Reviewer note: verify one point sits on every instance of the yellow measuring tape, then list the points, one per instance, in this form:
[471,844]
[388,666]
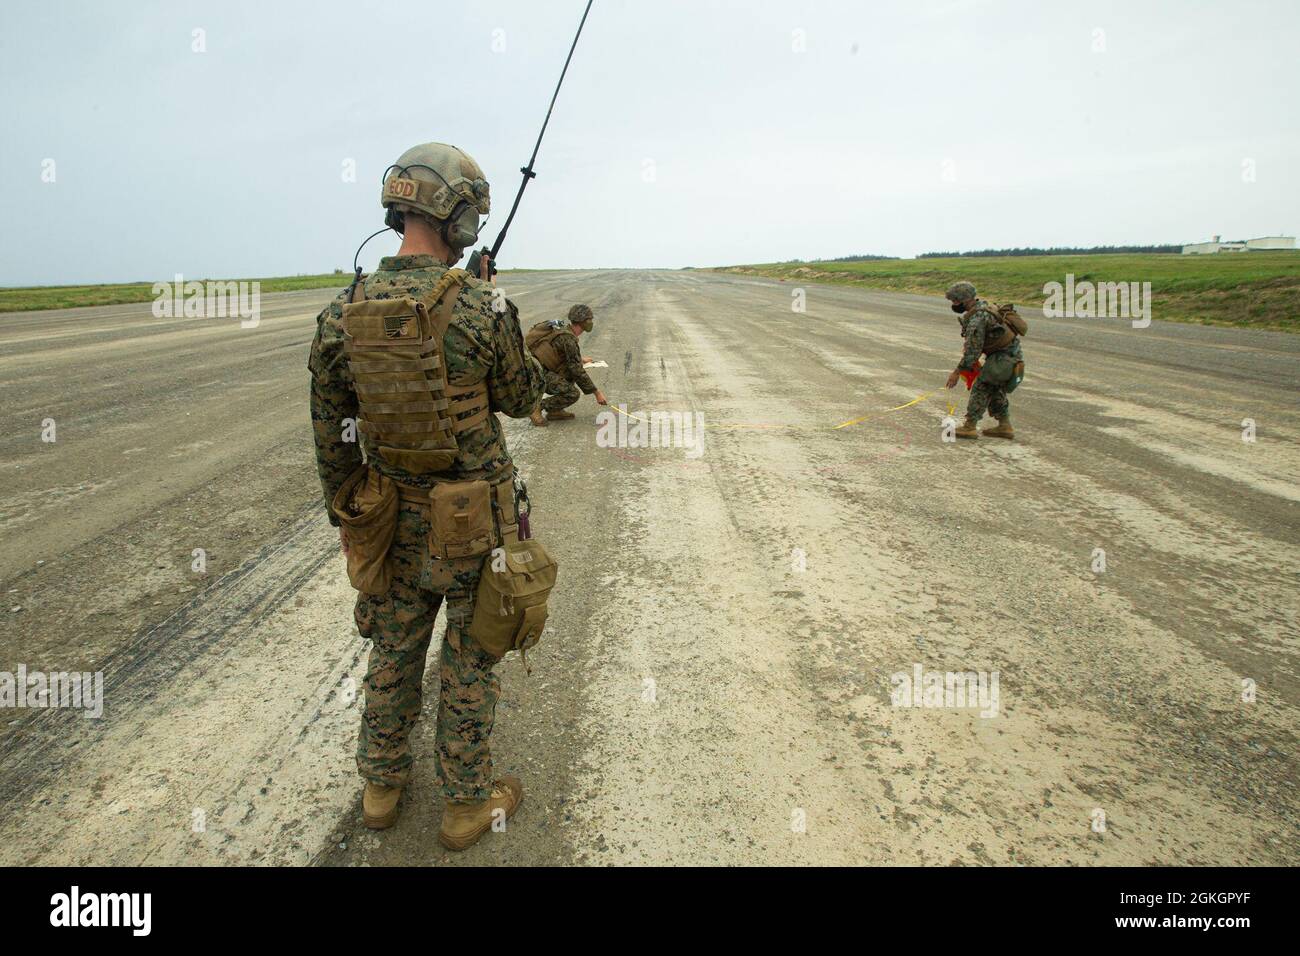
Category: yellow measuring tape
[854,421]
[847,424]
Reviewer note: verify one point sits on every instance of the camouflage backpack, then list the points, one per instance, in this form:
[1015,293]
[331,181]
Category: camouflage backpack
[1012,319]
[541,342]
[1010,324]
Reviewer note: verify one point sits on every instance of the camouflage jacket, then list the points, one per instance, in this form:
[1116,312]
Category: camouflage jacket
[566,344]
[481,344]
[975,325]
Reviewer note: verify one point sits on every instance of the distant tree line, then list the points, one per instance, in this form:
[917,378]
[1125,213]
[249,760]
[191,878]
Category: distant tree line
[864,258]
[1053,251]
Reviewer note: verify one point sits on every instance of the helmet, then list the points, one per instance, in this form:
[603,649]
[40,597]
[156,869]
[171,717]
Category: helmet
[581,315]
[960,292]
[441,183]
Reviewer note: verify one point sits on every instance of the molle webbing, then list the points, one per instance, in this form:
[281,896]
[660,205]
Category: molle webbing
[394,351]
[471,399]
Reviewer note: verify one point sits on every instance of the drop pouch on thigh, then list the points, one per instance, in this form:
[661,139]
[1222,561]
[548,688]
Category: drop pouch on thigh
[366,507]
[510,603]
[460,519]
[999,370]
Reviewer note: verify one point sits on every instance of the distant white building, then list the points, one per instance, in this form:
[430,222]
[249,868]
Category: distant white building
[1271,242]
[1217,245]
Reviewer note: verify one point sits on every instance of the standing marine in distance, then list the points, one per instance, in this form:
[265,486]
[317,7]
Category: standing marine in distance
[415,360]
[555,345]
[988,332]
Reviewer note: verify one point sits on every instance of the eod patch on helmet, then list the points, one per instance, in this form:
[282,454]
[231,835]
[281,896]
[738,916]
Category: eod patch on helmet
[441,183]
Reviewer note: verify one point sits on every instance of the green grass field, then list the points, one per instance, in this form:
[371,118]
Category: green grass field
[1258,290]
[32,298]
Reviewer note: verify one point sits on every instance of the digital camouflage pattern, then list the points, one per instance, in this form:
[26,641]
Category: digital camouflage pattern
[560,392]
[481,344]
[989,392]
[400,625]
[975,324]
[566,344]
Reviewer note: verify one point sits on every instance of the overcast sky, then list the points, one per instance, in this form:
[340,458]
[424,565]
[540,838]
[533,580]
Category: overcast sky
[687,133]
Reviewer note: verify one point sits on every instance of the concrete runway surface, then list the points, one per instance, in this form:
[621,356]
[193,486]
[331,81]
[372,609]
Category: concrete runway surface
[715,685]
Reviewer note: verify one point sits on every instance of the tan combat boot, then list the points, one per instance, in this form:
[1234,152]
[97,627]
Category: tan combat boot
[560,416]
[536,418]
[967,429]
[379,805]
[463,824]
[1003,430]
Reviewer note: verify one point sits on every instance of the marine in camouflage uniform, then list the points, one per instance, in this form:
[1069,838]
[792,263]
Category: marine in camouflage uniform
[979,325]
[481,344]
[565,385]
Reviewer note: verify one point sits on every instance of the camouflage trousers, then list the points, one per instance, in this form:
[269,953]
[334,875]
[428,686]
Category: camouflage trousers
[400,624]
[986,397]
[990,390]
[560,392]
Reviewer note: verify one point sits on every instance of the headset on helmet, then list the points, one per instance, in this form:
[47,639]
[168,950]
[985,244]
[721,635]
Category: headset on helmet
[453,200]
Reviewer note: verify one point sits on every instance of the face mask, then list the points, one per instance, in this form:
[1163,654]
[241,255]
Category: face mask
[958,308]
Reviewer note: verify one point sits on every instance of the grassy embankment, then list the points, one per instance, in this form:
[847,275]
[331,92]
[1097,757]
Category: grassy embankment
[1258,290]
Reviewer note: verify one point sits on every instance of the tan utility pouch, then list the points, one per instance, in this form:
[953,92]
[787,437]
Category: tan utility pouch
[510,604]
[366,506]
[460,519]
